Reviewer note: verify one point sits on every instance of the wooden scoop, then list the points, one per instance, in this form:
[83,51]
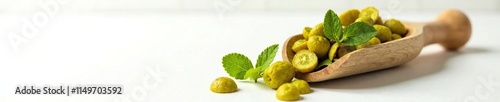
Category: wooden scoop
[451,30]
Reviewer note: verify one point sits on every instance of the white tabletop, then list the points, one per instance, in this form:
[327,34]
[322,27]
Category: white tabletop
[174,56]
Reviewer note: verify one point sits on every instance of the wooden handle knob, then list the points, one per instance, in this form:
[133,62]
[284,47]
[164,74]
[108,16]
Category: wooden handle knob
[452,30]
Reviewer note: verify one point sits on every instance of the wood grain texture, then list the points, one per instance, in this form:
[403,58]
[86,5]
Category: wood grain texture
[392,53]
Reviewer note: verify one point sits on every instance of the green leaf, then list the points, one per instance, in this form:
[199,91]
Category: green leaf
[324,63]
[253,74]
[266,57]
[236,65]
[261,70]
[332,26]
[357,33]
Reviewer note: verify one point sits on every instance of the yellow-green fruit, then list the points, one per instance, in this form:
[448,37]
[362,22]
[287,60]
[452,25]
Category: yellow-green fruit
[288,92]
[344,50]
[370,11]
[383,33]
[333,50]
[278,73]
[302,85]
[349,16]
[396,26]
[305,61]
[317,30]
[299,45]
[373,41]
[305,32]
[395,36]
[365,19]
[379,21]
[319,45]
[223,85]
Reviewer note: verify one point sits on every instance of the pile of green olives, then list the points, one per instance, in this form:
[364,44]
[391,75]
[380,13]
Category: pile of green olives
[315,47]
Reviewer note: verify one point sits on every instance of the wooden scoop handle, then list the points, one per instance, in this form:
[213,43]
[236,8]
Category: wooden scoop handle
[452,30]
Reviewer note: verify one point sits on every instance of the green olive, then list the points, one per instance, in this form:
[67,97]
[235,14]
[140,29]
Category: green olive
[369,11]
[305,32]
[288,92]
[278,73]
[299,45]
[373,41]
[305,61]
[319,45]
[365,19]
[302,85]
[333,51]
[317,30]
[396,26]
[223,85]
[379,21]
[395,36]
[349,16]
[383,33]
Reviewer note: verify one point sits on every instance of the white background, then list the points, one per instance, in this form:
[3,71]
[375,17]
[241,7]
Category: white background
[171,50]
[208,5]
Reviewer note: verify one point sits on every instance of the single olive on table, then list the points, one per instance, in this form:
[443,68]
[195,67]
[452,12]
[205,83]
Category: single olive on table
[223,85]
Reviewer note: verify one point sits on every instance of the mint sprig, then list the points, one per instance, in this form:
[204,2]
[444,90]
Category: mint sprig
[332,26]
[267,56]
[241,68]
[358,33]
[236,65]
[354,34]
